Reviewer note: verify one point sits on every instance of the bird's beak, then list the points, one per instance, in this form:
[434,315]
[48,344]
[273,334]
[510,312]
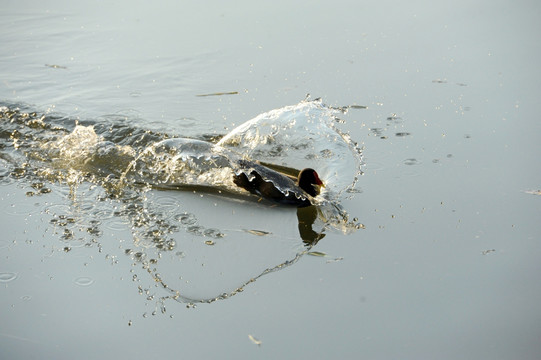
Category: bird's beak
[319,182]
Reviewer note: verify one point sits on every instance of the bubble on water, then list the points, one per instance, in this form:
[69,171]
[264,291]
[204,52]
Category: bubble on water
[67,235]
[166,245]
[7,276]
[186,218]
[214,233]
[84,281]
[195,229]
[94,230]
[139,256]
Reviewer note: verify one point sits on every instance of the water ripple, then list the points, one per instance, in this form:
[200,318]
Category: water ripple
[6,277]
[21,208]
[84,281]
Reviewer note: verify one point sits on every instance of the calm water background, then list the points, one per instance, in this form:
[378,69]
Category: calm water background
[448,264]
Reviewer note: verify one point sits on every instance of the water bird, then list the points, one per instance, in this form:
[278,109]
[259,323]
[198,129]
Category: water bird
[276,186]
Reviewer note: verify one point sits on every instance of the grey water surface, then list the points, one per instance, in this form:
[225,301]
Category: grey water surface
[437,255]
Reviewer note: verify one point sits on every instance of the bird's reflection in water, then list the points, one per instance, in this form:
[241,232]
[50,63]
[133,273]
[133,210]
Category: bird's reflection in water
[307,216]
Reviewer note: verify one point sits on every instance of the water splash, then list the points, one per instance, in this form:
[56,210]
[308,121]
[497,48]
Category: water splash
[290,139]
[301,136]
[180,162]
[113,169]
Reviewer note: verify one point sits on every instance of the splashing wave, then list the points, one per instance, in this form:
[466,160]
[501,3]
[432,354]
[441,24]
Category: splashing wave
[127,163]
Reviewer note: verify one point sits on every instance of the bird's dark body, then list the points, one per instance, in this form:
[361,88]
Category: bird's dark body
[272,185]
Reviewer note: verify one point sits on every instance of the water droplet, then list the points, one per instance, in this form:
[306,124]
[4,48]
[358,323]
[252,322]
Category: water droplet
[67,235]
[316,253]
[139,256]
[7,277]
[18,173]
[84,281]
[93,230]
[255,340]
